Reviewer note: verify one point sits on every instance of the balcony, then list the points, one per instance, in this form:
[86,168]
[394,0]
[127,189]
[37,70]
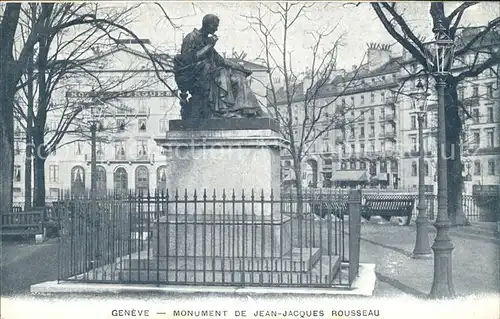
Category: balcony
[471,101]
[121,158]
[390,135]
[391,100]
[390,117]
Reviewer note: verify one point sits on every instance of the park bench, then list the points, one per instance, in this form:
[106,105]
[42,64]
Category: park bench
[23,223]
[387,206]
[335,205]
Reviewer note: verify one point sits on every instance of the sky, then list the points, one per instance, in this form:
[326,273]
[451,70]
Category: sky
[357,26]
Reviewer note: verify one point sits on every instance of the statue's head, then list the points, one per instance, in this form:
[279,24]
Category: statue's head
[210,23]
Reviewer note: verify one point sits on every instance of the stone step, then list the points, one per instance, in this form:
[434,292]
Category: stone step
[299,259]
[322,274]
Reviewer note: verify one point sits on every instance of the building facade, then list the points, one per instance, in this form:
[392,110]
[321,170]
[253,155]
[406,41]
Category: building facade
[378,147]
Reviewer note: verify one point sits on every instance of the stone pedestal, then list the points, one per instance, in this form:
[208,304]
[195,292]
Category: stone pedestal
[230,160]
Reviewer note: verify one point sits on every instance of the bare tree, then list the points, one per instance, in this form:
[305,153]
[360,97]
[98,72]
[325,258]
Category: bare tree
[304,105]
[49,23]
[485,55]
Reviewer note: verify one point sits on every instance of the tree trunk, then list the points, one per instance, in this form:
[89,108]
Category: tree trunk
[29,138]
[40,156]
[39,126]
[7,147]
[453,150]
[8,81]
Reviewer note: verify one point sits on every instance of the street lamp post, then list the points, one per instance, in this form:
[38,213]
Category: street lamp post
[440,53]
[422,248]
[94,121]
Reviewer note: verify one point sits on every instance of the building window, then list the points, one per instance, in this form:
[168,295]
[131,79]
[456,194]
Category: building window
[142,125]
[373,168]
[99,151]
[352,165]
[53,173]
[426,168]
[382,95]
[362,148]
[101,181]
[343,165]
[475,139]
[120,179]
[143,108]
[490,115]
[353,132]
[413,143]
[475,116]
[413,122]
[362,99]
[78,148]
[77,181]
[120,150]
[491,167]
[461,93]
[352,100]
[161,178]
[120,124]
[163,125]
[477,167]
[142,178]
[491,138]
[362,165]
[490,90]
[414,168]
[142,149]
[383,167]
[475,91]
[394,166]
[17,173]
[362,131]
[372,96]
[372,114]
[18,148]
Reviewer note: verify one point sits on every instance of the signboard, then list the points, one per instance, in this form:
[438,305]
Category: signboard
[119,94]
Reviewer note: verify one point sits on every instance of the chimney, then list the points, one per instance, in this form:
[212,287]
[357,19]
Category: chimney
[378,55]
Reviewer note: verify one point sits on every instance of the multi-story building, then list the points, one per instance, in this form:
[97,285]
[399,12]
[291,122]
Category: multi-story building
[479,103]
[379,144]
[138,111]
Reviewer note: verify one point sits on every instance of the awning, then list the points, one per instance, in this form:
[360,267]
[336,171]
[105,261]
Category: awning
[381,177]
[349,176]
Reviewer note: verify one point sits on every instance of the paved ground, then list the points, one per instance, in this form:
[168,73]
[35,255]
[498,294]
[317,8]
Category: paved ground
[475,261]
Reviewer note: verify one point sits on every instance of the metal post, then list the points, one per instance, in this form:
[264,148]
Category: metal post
[93,161]
[422,247]
[93,190]
[442,285]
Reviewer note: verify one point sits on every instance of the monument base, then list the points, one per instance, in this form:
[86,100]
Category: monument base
[217,235]
[223,156]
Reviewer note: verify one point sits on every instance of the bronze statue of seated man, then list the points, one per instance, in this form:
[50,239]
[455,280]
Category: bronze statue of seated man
[216,87]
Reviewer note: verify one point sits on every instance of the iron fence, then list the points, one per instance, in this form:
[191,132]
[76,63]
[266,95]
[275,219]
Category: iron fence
[226,239]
